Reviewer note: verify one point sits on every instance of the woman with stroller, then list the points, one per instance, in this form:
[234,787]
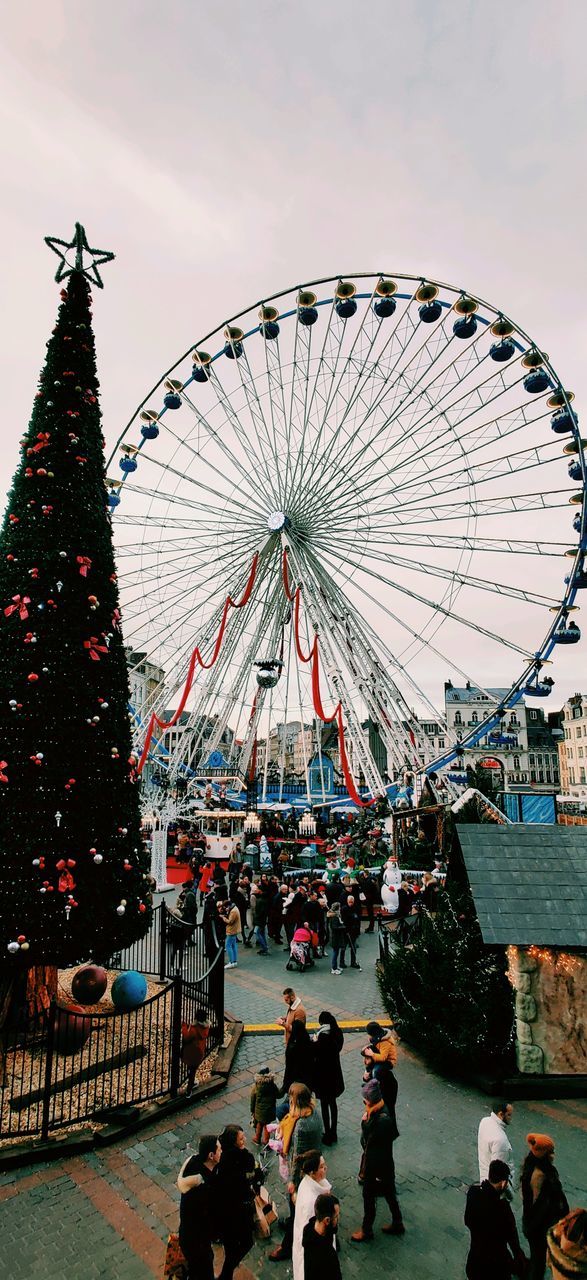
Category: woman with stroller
[301,948]
[328,1077]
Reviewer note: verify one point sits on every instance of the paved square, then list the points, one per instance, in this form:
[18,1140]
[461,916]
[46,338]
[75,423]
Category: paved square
[108,1214]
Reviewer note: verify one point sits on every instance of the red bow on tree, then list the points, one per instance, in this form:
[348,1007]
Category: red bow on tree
[3,766]
[43,438]
[20,604]
[66,882]
[116,618]
[94,648]
[84,564]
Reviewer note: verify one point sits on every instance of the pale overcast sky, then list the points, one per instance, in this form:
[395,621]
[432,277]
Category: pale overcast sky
[225,152]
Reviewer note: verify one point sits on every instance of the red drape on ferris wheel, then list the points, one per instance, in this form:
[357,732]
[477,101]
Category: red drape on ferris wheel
[313,657]
[197,659]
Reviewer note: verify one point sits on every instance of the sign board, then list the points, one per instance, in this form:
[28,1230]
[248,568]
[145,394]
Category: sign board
[490,764]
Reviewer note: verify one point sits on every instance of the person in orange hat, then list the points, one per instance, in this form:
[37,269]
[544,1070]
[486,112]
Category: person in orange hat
[543,1199]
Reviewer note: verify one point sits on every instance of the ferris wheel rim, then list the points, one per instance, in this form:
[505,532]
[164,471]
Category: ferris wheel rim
[542,654]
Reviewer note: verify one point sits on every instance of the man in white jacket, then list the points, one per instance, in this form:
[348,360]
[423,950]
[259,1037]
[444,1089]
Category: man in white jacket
[493,1142]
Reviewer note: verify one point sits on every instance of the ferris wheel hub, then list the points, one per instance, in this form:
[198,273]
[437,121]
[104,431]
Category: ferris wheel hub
[277,521]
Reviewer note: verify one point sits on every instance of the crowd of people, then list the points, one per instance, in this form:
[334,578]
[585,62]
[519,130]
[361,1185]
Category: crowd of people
[554,1235]
[296,1119]
[313,916]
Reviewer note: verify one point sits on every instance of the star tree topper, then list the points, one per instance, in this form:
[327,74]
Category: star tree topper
[79,245]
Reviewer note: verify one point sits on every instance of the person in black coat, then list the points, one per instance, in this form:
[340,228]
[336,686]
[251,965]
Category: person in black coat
[328,1077]
[238,1181]
[197,1207]
[352,924]
[319,1240]
[378,1133]
[299,1059]
[369,887]
[495,1252]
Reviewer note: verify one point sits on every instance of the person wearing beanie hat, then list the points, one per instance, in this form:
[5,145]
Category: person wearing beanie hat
[566,1247]
[543,1199]
[495,1252]
[372,1092]
[540,1145]
[378,1134]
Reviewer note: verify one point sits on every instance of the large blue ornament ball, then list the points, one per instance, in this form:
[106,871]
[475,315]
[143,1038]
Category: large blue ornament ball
[129,990]
[89,984]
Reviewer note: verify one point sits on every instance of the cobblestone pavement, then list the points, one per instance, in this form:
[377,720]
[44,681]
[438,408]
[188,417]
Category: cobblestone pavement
[108,1214]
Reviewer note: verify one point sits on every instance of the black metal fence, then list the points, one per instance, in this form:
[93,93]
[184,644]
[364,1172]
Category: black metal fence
[59,1068]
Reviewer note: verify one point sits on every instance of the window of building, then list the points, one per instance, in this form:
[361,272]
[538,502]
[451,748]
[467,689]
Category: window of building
[516,762]
[582,779]
[541,775]
[514,718]
[532,775]
[440,743]
[533,715]
[581,753]
[577,713]
[474,718]
[458,717]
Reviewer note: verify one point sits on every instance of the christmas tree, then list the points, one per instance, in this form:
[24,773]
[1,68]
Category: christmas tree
[73,871]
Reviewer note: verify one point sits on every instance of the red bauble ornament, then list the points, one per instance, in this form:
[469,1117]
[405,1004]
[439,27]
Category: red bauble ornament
[71,1031]
[32,677]
[89,984]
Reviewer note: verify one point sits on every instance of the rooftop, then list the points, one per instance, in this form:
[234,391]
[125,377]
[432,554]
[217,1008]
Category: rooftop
[529,883]
[475,695]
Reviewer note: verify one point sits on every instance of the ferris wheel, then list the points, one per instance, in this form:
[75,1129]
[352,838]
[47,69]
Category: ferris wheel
[331,504]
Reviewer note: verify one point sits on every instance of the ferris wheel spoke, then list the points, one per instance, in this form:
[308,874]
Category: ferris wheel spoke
[464,579]
[208,625]
[246,441]
[398,338]
[378,642]
[488,434]
[302,386]
[219,513]
[513,464]
[469,542]
[265,432]
[493,387]
[396,386]
[326,382]
[205,459]
[219,568]
[504,504]
[435,606]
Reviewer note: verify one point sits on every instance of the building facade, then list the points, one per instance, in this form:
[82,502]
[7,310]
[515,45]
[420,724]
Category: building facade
[521,751]
[573,747]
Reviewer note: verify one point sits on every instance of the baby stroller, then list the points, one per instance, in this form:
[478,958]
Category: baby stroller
[300,951]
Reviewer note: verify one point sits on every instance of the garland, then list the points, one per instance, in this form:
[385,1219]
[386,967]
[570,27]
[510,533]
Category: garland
[313,658]
[196,657]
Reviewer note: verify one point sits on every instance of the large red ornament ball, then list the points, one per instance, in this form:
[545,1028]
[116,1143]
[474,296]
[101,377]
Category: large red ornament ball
[70,1030]
[89,984]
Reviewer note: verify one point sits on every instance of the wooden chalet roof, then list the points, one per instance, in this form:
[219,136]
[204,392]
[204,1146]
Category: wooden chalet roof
[529,882]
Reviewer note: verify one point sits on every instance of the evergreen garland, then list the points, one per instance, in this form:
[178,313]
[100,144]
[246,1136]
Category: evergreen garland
[73,870]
